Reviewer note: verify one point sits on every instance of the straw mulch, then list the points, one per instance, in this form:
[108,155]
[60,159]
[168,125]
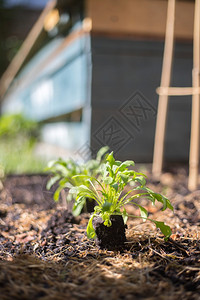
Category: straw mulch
[45,254]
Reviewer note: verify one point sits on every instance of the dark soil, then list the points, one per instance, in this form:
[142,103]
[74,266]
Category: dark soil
[89,206]
[45,253]
[112,237]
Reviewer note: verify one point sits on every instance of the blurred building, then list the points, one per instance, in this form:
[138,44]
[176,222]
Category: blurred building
[93,81]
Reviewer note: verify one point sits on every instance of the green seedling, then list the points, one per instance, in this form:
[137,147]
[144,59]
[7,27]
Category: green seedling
[108,192]
[64,173]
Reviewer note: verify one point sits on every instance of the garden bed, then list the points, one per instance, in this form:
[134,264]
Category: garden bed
[45,253]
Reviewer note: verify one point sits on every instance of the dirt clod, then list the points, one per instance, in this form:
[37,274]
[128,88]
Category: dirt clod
[112,237]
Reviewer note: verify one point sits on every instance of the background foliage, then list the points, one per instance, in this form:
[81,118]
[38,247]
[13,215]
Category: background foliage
[18,137]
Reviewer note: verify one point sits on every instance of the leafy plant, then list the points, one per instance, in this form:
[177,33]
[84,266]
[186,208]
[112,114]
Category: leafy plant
[108,192]
[64,173]
[18,137]
[16,125]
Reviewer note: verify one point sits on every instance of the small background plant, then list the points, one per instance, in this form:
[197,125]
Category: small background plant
[64,174]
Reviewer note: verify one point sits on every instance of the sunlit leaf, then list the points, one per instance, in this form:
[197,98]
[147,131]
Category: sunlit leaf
[143,212]
[106,218]
[165,229]
[78,206]
[125,164]
[91,234]
[51,181]
[141,180]
[57,193]
[108,180]
[111,159]
[102,152]
[125,215]
[91,165]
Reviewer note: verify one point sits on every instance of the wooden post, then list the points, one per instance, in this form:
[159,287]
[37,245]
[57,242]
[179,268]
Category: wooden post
[195,123]
[163,99]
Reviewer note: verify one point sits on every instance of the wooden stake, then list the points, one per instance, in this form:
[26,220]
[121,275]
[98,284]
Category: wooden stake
[194,140]
[163,99]
[178,91]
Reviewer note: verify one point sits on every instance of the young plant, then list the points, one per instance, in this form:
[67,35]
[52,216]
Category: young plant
[64,173]
[108,191]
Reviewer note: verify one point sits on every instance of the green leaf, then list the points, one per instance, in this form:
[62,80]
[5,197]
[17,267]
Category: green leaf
[125,164]
[143,212]
[59,167]
[106,206]
[124,178]
[165,229]
[51,164]
[107,222]
[106,218]
[81,177]
[91,165]
[114,168]
[141,180]
[108,180]
[169,205]
[166,203]
[66,183]
[83,189]
[160,198]
[125,215]
[63,182]
[78,205]
[57,193]
[111,159]
[51,181]
[115,186]
[91,234]
[73,190]
[101,153]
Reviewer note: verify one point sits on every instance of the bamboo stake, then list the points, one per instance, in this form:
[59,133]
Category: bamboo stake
[178,91]
[194,140]
[23,52]
[163,99]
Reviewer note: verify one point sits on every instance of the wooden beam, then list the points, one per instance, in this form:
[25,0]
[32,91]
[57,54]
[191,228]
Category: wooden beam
[73,36]
[163,100]
[194,140]
[139,18]
[25,49]
[178,91]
